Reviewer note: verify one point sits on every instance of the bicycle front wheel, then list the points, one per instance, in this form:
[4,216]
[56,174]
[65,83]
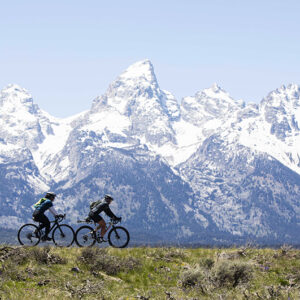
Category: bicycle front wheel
[84,236]
[63,235]
[29,235]
[118,237]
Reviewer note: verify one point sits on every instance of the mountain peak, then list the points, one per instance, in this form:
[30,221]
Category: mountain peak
[215,88]
[14,89]
[15,98]
[141,70]
[284,94]
[292,87]
[16,94]
[216,92]
[138,81]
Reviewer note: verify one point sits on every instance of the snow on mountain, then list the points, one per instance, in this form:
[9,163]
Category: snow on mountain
[25,126]
[19,123]
[211,104]
[134,112]
[200,116]
[22,127]
[48,151]
[137,101]
[273,126]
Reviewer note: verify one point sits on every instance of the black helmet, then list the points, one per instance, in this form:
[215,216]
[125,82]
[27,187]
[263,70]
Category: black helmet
[108,198]
[50,195]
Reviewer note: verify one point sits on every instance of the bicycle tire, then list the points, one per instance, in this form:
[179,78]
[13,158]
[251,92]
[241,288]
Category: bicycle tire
[27,235]
[62,239]
[118,237]
[83,236]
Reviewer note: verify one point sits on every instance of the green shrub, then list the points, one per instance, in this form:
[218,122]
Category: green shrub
[191,278]
[167,254]
[232,273]
[44,256]
[19,255]
[98,259]
[89,255]
[207,263]
[172,253]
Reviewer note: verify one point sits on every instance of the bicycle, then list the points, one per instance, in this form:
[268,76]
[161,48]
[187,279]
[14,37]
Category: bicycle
[62,235]
[118,236]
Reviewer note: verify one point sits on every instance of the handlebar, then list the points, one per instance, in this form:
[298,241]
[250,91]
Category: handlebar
[59,218]
[115,221]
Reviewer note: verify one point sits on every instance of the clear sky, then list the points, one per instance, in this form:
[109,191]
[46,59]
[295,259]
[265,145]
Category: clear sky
[67,52]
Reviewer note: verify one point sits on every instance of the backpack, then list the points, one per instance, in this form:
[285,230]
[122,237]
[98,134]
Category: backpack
[39,203]
[94,204]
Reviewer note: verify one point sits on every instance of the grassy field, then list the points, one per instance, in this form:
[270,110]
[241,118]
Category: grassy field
[149,273]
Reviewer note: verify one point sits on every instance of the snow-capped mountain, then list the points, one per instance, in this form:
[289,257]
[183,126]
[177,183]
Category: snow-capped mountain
[275,129]
[210,169]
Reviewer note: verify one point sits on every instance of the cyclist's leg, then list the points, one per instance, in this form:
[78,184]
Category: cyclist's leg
[36,217]
[47,225]
[44,222]
[102,226]
[101,223]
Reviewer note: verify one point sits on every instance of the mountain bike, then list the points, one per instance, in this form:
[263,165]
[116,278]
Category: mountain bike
[62,234]
[118,236]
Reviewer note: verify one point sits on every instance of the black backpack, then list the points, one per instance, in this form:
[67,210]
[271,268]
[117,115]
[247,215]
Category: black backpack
[94,204]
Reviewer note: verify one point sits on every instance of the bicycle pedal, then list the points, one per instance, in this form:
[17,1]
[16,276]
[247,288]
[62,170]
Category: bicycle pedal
[101,240]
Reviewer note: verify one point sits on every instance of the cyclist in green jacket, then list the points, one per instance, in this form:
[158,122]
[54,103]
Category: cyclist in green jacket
[38,215]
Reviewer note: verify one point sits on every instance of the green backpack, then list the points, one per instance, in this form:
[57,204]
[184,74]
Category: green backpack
[39,203]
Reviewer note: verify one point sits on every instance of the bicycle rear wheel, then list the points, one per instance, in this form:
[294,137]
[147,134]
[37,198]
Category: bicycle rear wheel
[118,237]
[29,235]
[63,235]
[84,236]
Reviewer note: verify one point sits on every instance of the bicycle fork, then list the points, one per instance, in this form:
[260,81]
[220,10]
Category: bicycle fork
[61,232]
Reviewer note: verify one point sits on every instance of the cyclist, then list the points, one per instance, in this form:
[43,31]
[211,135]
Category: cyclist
[94,214]
[38,215]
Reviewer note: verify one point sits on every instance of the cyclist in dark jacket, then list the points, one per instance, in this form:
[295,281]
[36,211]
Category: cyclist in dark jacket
[94,214]
[38,215]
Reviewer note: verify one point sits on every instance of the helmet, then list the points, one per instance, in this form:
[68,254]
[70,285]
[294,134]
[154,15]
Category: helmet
[50,195]
[108,198]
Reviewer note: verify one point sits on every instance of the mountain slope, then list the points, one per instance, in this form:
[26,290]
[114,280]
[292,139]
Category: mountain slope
[246,193]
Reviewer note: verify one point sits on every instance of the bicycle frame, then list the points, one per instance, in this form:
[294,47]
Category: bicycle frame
[111,226]
[55,223]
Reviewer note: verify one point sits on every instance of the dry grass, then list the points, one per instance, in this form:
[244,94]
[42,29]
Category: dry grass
[149,273]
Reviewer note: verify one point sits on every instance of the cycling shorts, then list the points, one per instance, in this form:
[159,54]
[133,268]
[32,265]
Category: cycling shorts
[96,218]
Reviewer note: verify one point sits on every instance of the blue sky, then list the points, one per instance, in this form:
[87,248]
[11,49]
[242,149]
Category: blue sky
[67,52]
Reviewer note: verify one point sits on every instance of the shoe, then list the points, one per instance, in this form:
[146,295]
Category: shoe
[101,240]
[46,238]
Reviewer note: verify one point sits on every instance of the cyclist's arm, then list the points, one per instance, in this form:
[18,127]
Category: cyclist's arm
[53,211]
[108,211]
